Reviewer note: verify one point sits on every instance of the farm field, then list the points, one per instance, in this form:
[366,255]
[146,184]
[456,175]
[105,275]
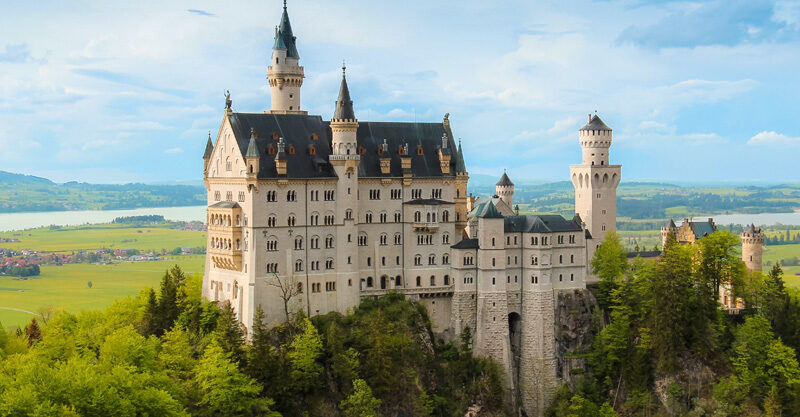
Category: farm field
[112,236]
[774,253]
[66,287]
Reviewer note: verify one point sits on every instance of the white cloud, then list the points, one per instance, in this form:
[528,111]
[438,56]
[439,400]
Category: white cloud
[773,138]
[173,150]
[100,144]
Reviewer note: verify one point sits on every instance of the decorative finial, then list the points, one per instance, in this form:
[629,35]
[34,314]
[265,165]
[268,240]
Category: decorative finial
[284,4]
[344,68]
[209,135]
[590,118]
[444,140]
[252,132]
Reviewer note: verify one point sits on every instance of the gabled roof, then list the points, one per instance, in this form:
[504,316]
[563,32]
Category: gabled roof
[344,106]
[702,229]
[547,223]
[595,123]
[671,224]
[225,204]
[489,211]
[284,39]
[300,131]
[505,181]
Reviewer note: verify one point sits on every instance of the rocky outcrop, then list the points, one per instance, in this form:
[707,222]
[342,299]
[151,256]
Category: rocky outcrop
[574,331]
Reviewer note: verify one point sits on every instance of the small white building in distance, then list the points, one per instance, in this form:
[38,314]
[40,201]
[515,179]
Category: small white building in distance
[315,214]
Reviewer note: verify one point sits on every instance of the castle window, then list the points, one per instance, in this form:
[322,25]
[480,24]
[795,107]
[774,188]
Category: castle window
[508,240]
[572,259]
[433,280]
[272,268]
[383,239]
[445,238]
[361,150]
[493,242]
[560,277]
[329,195]
[416,194]
[314,242]
[312,150]
[217,196]
[314,136]
[291,147]
[348,214]
[417,260]
[383,217]
[493,262]
[383,261]
[291,220]
[417,217]
[228,165]
[419,150]
[604,228]
[445,259]
[397,260]
[291,195]
[330,286]
[369,261]
[445,216]
[534,260]
[272,220]
[362,239]
[534,279]
[368,217]
[431,259]
[329,242]
[369,282]
[275,136]
[397,217]
[229,196]
[572,277]
[561,259]
[272,244]
[329,264]
[272,196]
[572,237]
[271,150]
[493,280]
[419,281]
[298,266]
[398,239]
[298,243]
[241,196]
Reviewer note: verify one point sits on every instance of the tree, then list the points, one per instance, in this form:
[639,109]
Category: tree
[306,348]
[361,402]
[288,288]
[229,334]
[33,334]
[263,363]
[224,390]
[609,263]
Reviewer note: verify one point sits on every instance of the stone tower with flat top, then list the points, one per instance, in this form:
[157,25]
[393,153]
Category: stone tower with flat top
[752,240]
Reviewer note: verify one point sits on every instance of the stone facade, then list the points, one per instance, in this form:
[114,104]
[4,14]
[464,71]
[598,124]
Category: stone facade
[334,211]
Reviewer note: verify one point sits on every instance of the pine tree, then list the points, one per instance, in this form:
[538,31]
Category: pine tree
[361,402]
[33,334]
[229,334]
[149,323]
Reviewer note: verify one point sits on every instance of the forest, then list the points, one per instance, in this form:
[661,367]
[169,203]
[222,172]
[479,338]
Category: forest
[167,352]
[665,347]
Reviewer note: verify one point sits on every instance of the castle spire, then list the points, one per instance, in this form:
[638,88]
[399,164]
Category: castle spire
[344,106]
[209,147]
[284,38]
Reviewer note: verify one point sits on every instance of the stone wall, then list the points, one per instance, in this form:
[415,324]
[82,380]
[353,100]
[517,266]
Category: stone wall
[537,365]
[574,332]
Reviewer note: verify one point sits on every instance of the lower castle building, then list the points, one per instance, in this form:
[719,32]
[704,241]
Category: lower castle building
[313,215]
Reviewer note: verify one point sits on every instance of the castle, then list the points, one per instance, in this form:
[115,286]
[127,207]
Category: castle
[313,215]
[752,241]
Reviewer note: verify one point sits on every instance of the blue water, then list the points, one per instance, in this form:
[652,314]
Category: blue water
[19,221]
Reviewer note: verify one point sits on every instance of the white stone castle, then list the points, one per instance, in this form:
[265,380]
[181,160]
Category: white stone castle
[313,215]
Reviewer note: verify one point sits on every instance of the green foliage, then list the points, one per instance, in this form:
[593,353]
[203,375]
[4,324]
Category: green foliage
[609,264]
[229,334]
[306,349]
[361,402]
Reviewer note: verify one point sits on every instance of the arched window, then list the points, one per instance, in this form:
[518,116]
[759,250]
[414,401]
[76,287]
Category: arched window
[298,242]
[417,260]
[446,216]
[369,282]
[417,217]
[433,280]
[419,281]
[272,220]
[298,265]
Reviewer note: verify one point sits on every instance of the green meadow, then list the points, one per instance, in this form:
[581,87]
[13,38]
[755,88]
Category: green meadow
[113,236]
[66,287]
[774,253]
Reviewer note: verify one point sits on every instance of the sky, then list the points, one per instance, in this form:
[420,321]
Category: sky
[696,91]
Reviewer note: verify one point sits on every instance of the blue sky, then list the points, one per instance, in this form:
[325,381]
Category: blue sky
[699,91]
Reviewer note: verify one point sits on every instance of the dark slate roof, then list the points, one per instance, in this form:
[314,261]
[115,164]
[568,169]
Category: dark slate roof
[209,147]
[460,164]
[225,204]
[298,130]
[466,244]
[505,181]
[595,124]
[284,39]
[344,106]
[671,224]
[427,202]
[548,223]
[489,211]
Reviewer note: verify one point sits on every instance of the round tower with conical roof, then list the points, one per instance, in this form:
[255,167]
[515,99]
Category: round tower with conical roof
[505,189]
[285,73]
[752,241]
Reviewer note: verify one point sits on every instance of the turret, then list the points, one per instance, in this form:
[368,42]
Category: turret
[281,158]
[595,138]
[505,189]
[444,155]
[252,158]
[665,231]
[752,240]
[344,124]
[285,73]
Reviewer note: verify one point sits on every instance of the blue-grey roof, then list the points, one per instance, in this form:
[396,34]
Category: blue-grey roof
[209,147]
[548,223]
[252,149]
[427,202]
[284,39]
[466,244]
[489,211]
[225,204]
[461,166]
[702,229]
[595,123]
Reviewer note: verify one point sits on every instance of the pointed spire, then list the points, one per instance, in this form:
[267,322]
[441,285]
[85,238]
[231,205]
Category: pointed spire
[284,38]
[252,148]
[209,147]
[504,181]
[461,167]
[344,106]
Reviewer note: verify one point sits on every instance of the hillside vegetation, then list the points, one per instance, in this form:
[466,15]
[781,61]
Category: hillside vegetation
[169,353]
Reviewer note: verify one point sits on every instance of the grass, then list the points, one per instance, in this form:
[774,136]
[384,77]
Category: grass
[774,253]
[114,236]
[66,287]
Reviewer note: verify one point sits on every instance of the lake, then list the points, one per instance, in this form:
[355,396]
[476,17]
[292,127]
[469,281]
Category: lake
[19,221]
[760,219]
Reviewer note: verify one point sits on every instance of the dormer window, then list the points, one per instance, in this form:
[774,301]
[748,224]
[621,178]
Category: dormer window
[361,150]
[291,150]
[380,150]
[271,150]
[275,136]
[314,137]
[419,150]
[312,150]
[401,150]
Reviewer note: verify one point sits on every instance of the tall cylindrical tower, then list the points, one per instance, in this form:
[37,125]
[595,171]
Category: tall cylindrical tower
[752,240]
[285,73]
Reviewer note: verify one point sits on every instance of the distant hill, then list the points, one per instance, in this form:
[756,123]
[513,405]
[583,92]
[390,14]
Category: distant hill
[12,178]
[24,193]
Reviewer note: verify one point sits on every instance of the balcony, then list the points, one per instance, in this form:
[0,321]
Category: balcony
[425,226]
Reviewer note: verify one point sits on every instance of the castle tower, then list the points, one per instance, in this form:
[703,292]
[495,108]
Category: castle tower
[505,189]
[595,182]
[665,230]
[345,160]
[285,73]
[752,239]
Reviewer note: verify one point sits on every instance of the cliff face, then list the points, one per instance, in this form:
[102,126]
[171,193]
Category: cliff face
[574,331]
